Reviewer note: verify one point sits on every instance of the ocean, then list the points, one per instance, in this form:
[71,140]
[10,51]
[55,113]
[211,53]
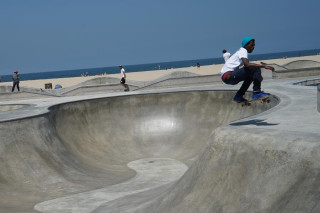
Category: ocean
[151,66]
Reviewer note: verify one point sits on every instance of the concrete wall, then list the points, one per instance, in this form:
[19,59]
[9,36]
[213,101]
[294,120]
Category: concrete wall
[318,98]
[301,64]
[295,73]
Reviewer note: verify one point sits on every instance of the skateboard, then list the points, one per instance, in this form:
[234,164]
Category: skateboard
[263,100]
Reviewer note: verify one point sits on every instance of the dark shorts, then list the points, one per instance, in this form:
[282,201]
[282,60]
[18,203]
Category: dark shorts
[123,80]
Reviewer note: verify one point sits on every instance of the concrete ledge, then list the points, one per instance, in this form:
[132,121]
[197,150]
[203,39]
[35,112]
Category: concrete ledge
[302,64]
[83,90]
[309,82]
[295,73]
[185,81]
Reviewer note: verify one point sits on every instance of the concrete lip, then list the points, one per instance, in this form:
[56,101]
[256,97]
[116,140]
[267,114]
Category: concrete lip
[171,150]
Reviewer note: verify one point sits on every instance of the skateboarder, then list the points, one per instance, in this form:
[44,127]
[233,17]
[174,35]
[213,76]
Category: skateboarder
[233,72]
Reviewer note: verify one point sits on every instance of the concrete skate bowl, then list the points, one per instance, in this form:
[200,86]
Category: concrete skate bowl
[117,154]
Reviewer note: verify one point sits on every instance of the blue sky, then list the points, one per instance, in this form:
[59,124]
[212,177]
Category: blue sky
[49,35]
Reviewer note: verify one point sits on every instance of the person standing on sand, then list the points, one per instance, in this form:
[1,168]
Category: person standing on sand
[16,80]
[231,73]
[123,79]
[226,55]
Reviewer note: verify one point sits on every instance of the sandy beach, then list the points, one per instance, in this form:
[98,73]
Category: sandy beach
[150,75]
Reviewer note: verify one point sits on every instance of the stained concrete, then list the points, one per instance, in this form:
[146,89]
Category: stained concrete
[172,150]
[9,107]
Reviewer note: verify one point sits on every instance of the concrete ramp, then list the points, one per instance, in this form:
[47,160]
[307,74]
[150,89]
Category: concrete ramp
[139,153]
[248,171]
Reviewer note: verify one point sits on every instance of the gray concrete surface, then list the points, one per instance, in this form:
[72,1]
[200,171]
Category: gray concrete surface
[187,150]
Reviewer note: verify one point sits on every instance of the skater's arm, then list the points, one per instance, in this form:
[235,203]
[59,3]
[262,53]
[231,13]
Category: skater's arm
[246,63]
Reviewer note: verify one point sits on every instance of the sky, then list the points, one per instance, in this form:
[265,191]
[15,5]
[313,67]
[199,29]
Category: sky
[53,35]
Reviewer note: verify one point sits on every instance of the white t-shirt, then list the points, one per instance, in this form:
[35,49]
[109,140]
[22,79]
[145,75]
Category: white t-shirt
[234,61]
[122,72]
[226,56]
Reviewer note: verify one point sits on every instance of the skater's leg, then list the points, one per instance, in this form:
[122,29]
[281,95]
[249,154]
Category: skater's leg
[257,79]
[14,85]
[252,75]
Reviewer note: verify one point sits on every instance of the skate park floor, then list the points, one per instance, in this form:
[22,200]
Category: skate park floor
[187,149]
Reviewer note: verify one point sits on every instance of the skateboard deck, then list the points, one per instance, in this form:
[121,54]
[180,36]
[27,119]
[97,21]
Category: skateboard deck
[263,100]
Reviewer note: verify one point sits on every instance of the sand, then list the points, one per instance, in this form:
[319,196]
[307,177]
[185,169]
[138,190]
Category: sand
[149,75]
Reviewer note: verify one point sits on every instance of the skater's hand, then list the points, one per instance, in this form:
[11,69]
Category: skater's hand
[269,68]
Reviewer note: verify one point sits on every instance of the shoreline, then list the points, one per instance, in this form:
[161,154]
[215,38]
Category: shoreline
[150,75]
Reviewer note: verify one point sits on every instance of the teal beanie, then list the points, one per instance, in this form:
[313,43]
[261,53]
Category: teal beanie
[246,40]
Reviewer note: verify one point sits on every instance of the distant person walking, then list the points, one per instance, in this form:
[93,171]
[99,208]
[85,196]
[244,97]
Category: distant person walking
[16,80]
[123,79]
[226,55]
[233,72]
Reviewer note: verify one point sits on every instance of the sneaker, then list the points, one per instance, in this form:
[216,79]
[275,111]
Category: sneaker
[260,95]
[239,99]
